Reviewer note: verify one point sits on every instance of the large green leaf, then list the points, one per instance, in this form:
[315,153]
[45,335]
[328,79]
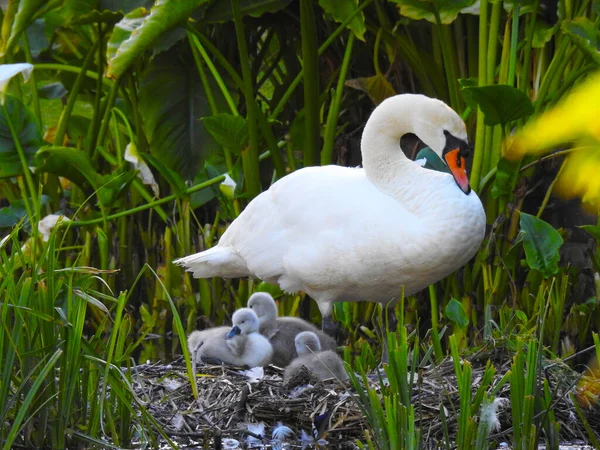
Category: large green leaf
[341,10]
[456,313]
[541,243]
[231,132]
[123,30]
[70,163]
[500,103]
[585,34]
[106,11]
[542,33]
[11,215]
[425,9]
[594,230]
[73,10]
[19,15]
[76,166]
[29,132]
[221,11]
[123,6]
[164,16]
[171,103]
[377,87]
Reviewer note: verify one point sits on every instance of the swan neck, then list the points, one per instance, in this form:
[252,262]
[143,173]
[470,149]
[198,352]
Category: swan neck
[383,159]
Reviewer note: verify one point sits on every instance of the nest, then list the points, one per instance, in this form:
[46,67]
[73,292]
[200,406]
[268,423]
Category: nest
[230,399]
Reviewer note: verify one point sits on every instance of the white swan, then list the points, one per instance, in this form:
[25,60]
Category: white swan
[281,331]
[352,234]
[324,364]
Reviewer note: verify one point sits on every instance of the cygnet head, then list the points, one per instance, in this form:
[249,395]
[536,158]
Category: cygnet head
[244,321]
[307,343]
[263,305]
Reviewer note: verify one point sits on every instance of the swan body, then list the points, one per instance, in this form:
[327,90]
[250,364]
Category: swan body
[281,331]
[353,234]
[324,364]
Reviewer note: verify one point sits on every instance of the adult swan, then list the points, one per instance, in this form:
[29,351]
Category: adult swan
[354,234]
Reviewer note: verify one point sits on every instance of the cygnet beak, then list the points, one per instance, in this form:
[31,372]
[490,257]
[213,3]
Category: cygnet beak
[234,332]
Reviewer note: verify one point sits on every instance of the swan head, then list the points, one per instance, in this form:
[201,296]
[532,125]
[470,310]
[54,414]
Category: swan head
[263,305]
[307,343]
[442,129]
[434,123]
[244,321]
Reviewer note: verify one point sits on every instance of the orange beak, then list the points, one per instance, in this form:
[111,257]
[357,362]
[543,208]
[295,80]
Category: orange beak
[458,167]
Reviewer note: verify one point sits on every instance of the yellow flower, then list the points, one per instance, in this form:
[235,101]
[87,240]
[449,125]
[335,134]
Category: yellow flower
[574,121]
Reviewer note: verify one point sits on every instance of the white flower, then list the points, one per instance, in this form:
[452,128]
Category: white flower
[144,172]
[46,225]
[228,186]
[8,71]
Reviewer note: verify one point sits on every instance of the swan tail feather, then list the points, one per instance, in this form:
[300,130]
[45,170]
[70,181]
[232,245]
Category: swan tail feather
[215,262]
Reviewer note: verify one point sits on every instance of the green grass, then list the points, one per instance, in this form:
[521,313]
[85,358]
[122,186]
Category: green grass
[69,322]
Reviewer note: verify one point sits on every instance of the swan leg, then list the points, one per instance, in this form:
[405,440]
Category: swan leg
[328,325]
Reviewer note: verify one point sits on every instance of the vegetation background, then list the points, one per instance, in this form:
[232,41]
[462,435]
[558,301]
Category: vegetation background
[150,125]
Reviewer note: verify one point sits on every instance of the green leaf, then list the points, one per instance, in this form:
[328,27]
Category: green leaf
[504,175]
[11,215]
[594,230]
[27,129]
[73,10]
[585,35]
[500,104]
[221,11]
[70,163]
[75,165]
[175,181]
[164,16]
[123,30]
[123,6]
[542,33]
[18,16]
[378,88]
[52,91]
[231,132]
[455,312]
[96,16]
[341,10]
[424,9]
[171,102]
[541,243]
[467,82]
